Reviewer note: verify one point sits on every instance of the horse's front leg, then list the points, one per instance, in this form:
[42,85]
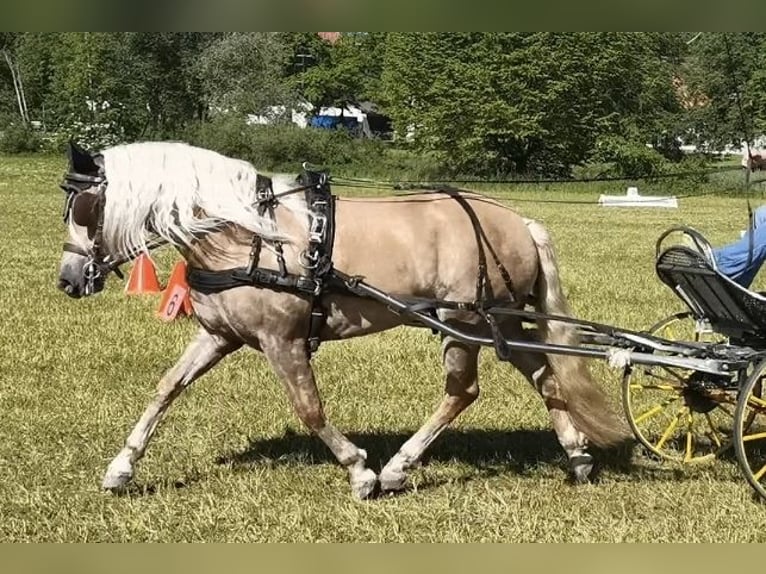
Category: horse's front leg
[201,354]
[290,361]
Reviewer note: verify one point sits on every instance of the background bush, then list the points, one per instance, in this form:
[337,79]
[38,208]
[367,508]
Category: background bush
[18,138]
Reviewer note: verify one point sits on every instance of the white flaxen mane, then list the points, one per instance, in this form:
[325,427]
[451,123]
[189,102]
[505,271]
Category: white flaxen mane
[166,184]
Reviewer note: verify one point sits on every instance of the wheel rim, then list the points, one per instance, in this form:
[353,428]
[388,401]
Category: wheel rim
[678,414]
[750,431]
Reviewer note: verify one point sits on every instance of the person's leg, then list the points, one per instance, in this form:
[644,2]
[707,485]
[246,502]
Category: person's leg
[741,260]
[759,216]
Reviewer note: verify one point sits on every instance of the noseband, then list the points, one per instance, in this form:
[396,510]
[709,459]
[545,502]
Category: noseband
[97,266]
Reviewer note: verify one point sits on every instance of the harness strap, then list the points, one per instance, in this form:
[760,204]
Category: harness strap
[72,248]
[484,292]
[207,281]
[321,205]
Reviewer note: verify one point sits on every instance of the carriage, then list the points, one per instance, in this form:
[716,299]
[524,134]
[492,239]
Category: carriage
[694,415]
[691,384]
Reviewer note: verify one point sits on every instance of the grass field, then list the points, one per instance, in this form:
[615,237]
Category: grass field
[232,462]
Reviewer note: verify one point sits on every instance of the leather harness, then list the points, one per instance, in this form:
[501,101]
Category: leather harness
[316,259]
[320,274]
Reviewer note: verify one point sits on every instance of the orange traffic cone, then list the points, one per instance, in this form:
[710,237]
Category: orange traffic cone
[143,277]
[175,298]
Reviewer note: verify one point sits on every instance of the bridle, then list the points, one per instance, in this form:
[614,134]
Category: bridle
[98,264]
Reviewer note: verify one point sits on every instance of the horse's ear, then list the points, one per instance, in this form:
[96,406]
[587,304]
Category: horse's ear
[80,161]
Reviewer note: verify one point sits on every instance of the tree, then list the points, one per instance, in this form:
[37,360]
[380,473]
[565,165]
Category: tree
[347,71]
[521,102]
[166,84]
[727,73]
[244,72]
[8,107]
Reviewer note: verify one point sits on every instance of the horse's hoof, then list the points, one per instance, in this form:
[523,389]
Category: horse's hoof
[582,466]
[392,481]
[114,482]
[117,475]
[363,484]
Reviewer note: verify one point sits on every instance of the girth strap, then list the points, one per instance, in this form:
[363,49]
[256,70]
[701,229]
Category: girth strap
[206,281]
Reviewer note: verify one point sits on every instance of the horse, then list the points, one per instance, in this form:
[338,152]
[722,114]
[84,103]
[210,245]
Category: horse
[211,209]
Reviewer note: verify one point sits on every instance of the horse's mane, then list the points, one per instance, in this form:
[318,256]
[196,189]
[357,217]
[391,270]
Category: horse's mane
[180,191]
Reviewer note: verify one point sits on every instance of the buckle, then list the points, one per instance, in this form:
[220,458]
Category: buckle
[309,260]
[309,285]
[91,272]
[318,226]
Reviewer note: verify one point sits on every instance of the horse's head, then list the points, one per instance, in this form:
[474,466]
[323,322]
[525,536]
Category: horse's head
[83,265]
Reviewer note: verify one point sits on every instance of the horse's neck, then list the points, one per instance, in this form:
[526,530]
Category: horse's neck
[233,245]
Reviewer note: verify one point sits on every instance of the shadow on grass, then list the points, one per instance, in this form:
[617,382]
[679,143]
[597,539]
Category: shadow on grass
[532,453]
[492,452]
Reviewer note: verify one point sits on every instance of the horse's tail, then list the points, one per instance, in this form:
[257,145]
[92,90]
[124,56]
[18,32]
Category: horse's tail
[586,401]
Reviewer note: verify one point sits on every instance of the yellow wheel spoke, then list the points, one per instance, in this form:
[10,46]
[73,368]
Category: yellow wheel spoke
[637,386]
[655,409]
[751,437]
[668,431]
[756,402]
[688,452]
[760,473]
[714,433]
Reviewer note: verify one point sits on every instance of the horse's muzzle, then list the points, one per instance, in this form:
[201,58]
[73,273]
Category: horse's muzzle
[69,288]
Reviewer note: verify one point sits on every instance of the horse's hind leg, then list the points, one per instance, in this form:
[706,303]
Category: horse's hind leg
[462,387]
[201,354]
[291,363]
[535,367]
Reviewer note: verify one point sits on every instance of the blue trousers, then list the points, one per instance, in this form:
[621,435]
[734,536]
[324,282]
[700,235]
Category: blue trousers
[732,259]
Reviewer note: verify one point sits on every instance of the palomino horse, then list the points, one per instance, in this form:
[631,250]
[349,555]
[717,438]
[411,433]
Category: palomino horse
[423,245]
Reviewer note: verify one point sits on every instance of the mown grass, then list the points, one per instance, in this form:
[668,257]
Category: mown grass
[231,462]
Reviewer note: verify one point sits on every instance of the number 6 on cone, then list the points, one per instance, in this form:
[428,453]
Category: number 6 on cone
[175,298]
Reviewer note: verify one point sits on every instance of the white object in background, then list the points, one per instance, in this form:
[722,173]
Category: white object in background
[633,199]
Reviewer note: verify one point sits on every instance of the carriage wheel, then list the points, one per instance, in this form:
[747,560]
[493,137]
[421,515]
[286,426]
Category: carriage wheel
[675,413]
[750,430]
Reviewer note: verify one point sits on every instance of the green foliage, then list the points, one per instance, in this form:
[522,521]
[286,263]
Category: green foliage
[484,104]
[627,158]
[18,138]
[167,88]
[111,87]
[726,75]
[520,102]
[243,72]
[347,71]
[283,147]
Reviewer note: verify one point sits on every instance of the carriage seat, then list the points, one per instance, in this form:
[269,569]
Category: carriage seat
[730,309]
